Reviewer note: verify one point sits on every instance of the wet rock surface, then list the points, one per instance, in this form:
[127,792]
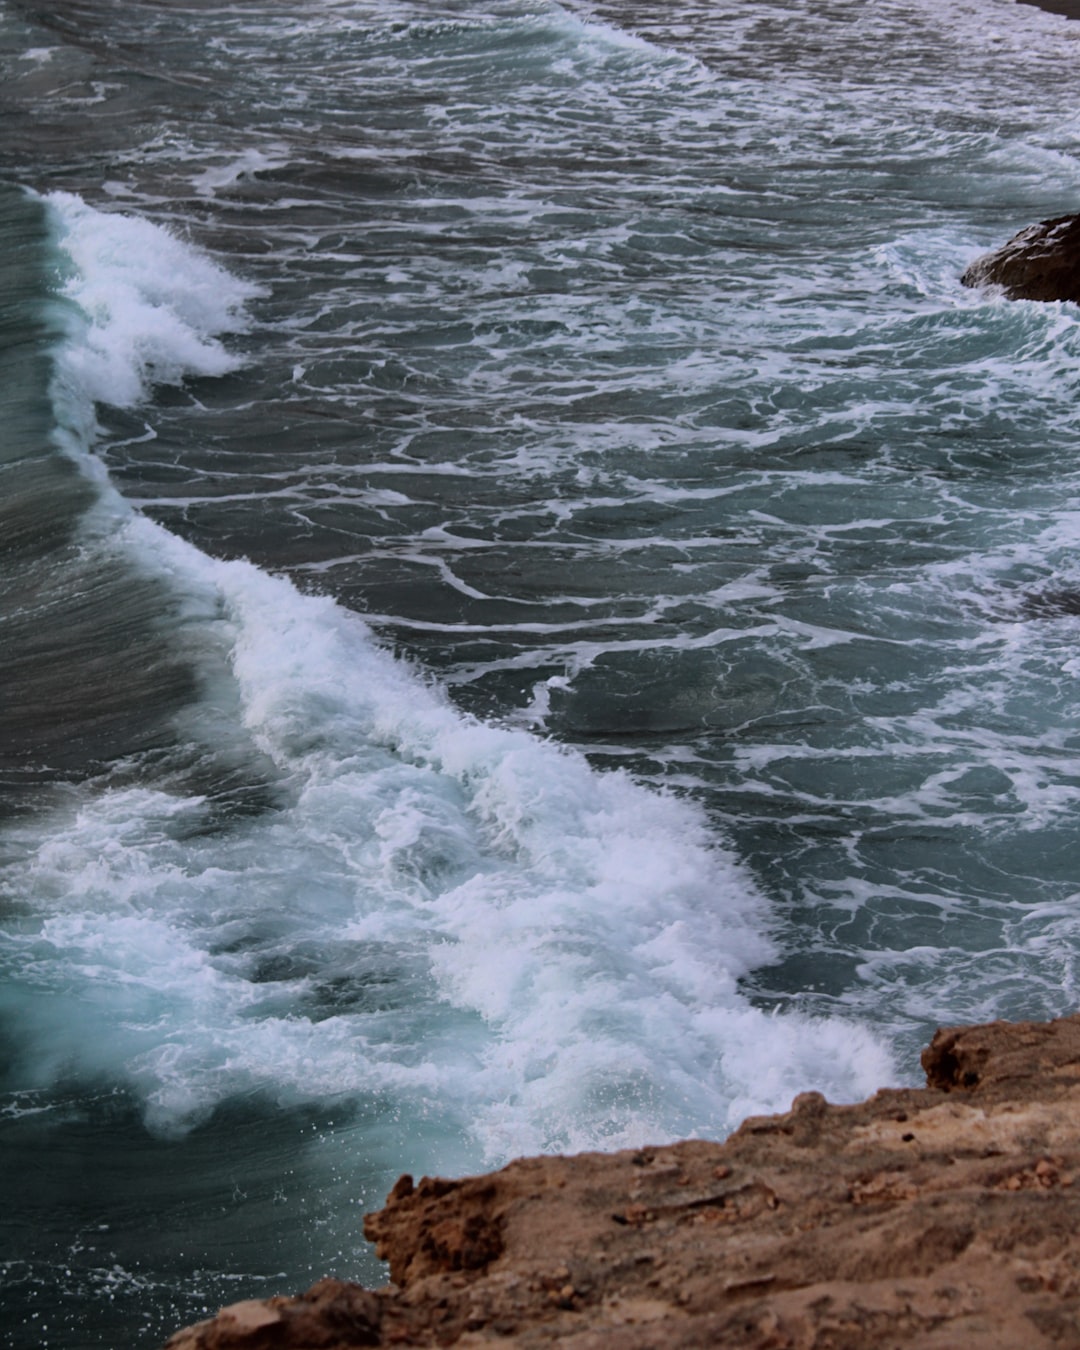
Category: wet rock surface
[940,1217]
[1042,262]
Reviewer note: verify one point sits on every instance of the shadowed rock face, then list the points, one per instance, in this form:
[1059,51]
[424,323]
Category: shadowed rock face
[1040,263]
[933,1218]
[1070,9]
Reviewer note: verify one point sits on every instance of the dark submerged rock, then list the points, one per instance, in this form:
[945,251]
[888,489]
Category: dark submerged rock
[1052,604]
[1042,262]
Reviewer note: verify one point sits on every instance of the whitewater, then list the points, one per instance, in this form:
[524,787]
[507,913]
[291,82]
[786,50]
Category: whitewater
[538,614]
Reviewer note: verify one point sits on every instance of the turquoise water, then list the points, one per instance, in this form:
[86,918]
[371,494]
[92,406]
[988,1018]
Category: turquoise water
[538,614]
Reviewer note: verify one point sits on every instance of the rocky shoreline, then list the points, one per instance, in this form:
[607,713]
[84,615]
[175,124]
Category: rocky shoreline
[944,1216]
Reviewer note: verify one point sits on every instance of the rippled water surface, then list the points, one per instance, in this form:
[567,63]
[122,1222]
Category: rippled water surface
[538,614]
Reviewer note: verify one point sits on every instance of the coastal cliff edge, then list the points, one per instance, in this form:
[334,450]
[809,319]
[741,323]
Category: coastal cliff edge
[944,1216]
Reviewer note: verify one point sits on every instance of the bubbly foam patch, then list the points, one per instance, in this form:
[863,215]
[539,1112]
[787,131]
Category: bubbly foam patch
[460,920]
[148,308]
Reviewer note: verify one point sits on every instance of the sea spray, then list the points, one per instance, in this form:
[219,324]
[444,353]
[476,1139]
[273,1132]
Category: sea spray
[619,379]
[461,918]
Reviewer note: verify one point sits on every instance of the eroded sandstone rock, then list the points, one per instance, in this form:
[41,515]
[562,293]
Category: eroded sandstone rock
[931,1218]
[332,1314]
[1042,262]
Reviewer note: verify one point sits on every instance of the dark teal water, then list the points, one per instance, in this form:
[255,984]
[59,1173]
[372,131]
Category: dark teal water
[537,613]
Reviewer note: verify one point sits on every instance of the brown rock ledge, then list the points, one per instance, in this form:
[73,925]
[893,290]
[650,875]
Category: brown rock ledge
[938,1217]
[1042,262]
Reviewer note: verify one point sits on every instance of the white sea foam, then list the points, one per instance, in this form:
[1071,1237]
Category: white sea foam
[583,936]
[147,307]
[632,379]
[223,176]
[467,922]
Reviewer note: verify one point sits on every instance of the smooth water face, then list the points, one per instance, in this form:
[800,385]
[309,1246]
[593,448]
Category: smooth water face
[612,364]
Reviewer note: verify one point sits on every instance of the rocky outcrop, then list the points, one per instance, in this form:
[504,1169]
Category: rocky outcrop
[1068,9]
[1040,263]
[932,1218]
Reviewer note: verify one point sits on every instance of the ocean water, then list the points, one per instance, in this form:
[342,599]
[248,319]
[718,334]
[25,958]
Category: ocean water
[537,613]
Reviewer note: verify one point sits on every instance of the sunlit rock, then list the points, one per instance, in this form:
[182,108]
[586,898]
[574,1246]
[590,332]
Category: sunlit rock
[944,1216]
